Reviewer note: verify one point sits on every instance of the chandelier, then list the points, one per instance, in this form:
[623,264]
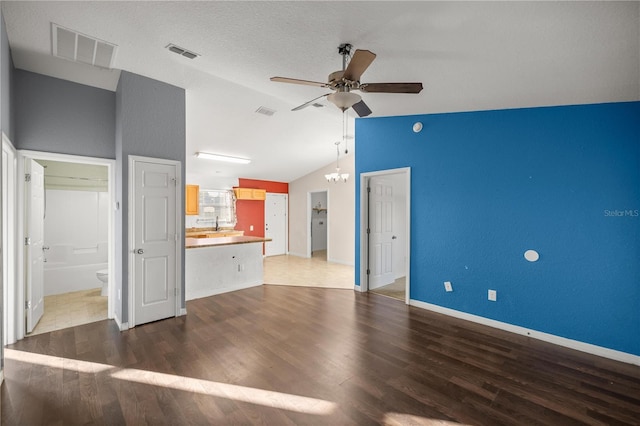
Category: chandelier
[337,176]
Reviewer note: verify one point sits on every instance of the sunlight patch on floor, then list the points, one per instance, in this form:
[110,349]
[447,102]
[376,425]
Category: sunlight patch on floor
[267,398]
[401,419]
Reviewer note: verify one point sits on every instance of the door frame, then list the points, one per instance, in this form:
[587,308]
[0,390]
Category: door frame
[10,267]
[111,173]
[310,219]
[133,159]
[364,215]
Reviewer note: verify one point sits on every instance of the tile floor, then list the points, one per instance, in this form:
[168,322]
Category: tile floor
[69,309]
[307,272]
[396,289]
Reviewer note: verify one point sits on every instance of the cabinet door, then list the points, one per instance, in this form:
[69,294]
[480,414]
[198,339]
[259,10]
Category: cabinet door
[192,203]
[259,194]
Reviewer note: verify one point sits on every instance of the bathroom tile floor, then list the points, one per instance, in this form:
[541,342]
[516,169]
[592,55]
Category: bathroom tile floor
[71,309]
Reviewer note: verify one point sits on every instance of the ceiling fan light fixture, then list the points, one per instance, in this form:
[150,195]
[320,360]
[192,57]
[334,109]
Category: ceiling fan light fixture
[226,158]
[344,100]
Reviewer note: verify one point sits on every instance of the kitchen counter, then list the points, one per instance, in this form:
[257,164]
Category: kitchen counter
[222,241]
[222,264]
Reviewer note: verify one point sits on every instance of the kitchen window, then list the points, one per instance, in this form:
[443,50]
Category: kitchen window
[217,205]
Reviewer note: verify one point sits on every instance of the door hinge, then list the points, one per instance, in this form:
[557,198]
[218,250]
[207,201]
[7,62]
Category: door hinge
[368,271]
[368,231]
[27,177]
[368,189]
[27,304]
[27,241]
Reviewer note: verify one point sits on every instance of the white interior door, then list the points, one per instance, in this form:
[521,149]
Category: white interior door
[381,233]
[34,256]
[275,224]
[154,240]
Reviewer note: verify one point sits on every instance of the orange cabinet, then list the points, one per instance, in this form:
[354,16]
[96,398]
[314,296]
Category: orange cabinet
[192,203]
[250,194]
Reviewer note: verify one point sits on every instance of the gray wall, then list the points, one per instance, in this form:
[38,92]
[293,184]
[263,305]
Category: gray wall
[150,122]
[6,83]
[54,115]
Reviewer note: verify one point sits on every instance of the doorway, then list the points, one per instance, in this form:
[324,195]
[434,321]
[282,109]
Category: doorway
[385,233]
[79,241]
[319,225]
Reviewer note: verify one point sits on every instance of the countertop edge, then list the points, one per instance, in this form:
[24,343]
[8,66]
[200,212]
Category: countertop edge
[191,243]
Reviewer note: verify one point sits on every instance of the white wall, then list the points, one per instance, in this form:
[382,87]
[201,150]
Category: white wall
[340,215]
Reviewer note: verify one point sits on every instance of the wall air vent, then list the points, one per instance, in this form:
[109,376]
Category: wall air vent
[77,47]
[182,51]
[265,111]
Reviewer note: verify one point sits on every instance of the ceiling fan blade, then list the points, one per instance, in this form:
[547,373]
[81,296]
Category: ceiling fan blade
[359,63]
[361,109]
[391,87]
[306,104]
[296,81]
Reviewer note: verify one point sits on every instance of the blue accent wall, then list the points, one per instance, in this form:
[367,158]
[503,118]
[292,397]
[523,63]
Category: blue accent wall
[487,186]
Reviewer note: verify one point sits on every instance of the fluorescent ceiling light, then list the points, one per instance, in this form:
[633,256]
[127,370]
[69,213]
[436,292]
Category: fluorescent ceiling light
[226,158]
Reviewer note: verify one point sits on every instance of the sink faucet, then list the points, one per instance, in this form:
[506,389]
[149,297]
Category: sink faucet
[217,227]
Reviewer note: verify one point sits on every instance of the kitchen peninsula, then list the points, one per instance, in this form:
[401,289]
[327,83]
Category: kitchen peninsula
[222,264]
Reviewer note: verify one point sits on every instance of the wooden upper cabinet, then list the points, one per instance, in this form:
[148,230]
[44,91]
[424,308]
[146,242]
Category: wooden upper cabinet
[192,202]
[250,194]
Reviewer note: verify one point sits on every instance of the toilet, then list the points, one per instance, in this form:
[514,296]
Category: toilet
[103,276]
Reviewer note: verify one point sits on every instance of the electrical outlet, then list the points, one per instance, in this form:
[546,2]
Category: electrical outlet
[250,227]
[447,286]
[493,295]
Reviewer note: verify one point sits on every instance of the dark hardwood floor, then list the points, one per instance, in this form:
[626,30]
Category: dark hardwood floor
[274,355]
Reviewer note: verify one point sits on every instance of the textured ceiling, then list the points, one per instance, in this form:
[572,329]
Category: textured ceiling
[469,56]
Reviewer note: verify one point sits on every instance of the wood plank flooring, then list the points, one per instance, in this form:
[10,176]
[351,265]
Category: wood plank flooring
[279,355]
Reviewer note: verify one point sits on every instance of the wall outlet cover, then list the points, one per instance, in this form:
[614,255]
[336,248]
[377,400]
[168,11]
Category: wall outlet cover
[493,295]
[447,286]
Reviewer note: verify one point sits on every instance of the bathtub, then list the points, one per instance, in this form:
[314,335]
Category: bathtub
[70,268]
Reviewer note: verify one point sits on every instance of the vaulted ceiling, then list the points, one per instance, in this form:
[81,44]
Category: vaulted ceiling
[468,55]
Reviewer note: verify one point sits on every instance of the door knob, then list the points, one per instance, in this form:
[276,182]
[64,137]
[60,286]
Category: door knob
[394,237]
[140,251]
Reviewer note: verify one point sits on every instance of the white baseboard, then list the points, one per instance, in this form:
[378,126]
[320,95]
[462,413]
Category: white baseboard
[340,262]
[557,340]
[122,326]
[1,376]
[183,311]
[303,255]
[213,291]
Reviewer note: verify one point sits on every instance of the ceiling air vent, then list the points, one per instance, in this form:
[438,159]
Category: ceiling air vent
[77,47]
[265,111]
[182,51]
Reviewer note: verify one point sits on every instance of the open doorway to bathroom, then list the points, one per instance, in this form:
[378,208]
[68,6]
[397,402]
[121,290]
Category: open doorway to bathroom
[319,224]
[77,244]
[75,270]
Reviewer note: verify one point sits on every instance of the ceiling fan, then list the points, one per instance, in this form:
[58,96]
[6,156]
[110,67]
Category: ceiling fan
[348,79]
